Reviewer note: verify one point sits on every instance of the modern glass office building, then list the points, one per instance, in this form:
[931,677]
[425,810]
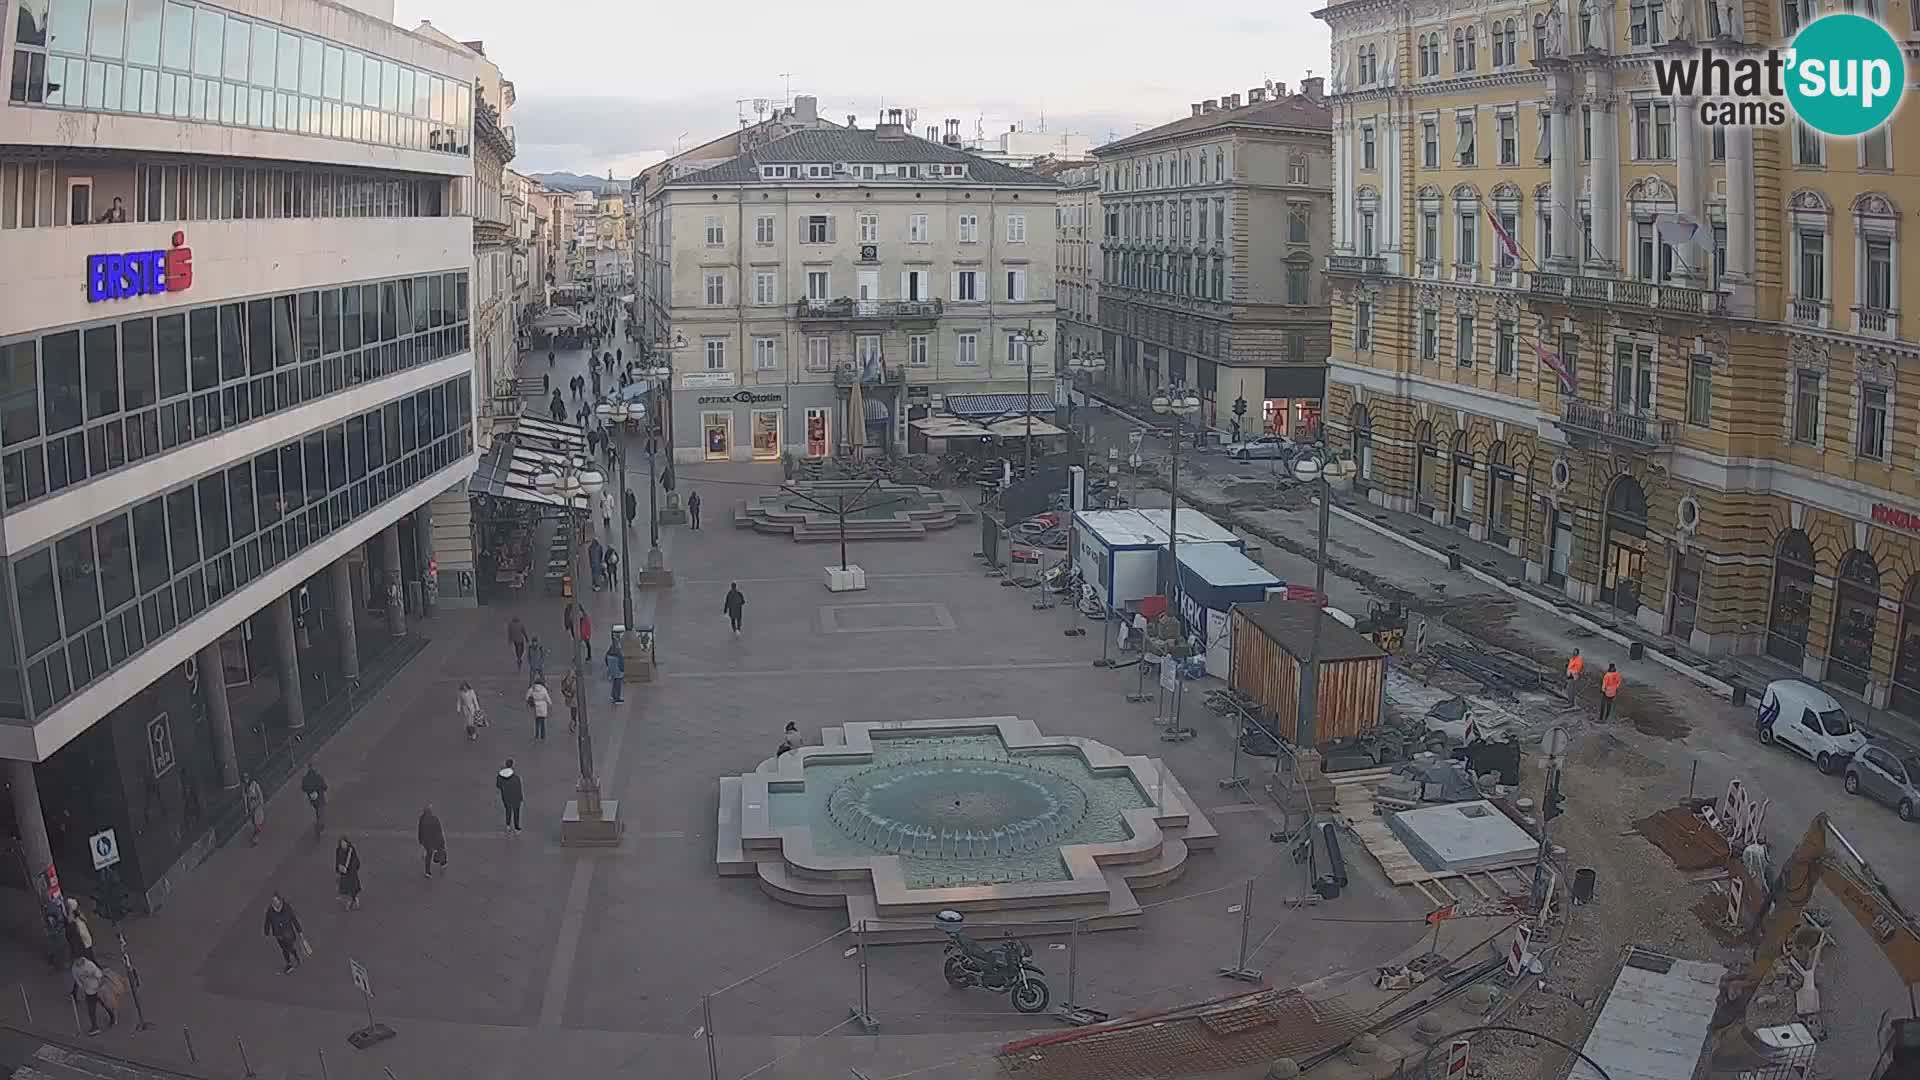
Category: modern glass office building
[235,366]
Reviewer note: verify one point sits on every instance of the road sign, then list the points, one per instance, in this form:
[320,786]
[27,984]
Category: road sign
[105,849]
[360,980]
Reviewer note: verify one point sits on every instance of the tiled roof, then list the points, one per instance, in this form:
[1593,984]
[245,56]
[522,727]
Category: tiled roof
[860,146]
[1296,111]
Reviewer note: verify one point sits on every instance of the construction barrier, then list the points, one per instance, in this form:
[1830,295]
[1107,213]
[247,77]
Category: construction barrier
[1457,1060]
[1517,950]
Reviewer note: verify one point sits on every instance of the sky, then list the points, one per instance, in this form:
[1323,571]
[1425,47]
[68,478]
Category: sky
[611,84]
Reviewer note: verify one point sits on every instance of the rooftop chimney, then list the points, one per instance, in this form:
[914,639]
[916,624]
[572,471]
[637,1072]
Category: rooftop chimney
[1208,105]
[952,136]
[933,133]
[1313,88]
[893,125]
[1196,108]
[852,121]
[1232,102]
[806,108]
[1279,90]
[1256,95]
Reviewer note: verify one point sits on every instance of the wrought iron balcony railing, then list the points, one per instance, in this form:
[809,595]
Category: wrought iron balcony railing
[1628,429]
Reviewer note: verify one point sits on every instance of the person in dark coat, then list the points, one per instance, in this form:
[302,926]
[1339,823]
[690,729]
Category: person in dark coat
[517,637]
[346,867]
[735,606]
[433,840]
[559,410]
[536,659]
[693,511]
[283,926]
[507,782]
[314,786]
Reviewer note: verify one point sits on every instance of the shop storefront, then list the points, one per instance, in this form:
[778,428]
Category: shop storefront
[1624,556]
[1791,611]
[1291,401]
[819,432]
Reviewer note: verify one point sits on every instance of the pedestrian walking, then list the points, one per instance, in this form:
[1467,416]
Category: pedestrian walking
[1576,664]
[570,693]
[606,507]
[79,934]
[433,840]
[468,706]
[557,407]
[586,632]
[613,568]
[549,357]
[256,801]
[619,356]
[617,672]
[1609,689]
[541,702]
[517,637]
[536,660]
[597,563]
[346,868]
[283,926]
[546,382]
[314,786]
[569,617]
[735,605]
[87,982]
[507,782]
[693,510]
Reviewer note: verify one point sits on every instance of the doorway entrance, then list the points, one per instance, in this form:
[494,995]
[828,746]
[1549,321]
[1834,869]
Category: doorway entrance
[1686,595]
[1560,549]
[1462,482]
[1792,609]
[1624,557]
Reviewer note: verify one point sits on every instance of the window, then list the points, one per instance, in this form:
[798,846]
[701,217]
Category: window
[1663,132]
[1298,217]
[1463,341]
[1366,147]
[1652,256]
[1633,378]
[819,172]
[819,354]
[819,228]
[1016,228]
[1297,169]
[1806,407]
[1220,220]
[716,231]
[1505,347]
[1539,37]
[966,350]
[1873,150]
[1296,284]
[1467,252]
[716,289]
[966,286]
[1429,335]
[1430,236]
[1459,50]
[1463,139]
[1700,391]
[1367,233]
[1503,257]
[1509,140]
[1429,144]
[1808,147]
[969,228]
[716,349]
[869,228]
[763,229]
[1363,325]
[1792,15]
[763,290]
[1017,286]
[917,229]
[766,354]
[818,286]
[1719,251]
[1877,294]
[917,350]
[1499,44]
[1644,22]
[1812,283]
[1019,350]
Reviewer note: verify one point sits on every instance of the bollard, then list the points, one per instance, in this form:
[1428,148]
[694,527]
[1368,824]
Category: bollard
[1073,965]
[863,1012]
[26,1003]
[706,1017]
[1239,970]
[244,1063]
[188,1036]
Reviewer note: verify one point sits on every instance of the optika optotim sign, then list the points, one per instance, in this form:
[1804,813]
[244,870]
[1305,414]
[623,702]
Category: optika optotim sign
[140,273]
[1842,76]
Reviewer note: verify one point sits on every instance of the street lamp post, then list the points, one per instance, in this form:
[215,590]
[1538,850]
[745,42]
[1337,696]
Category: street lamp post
[1029,338]
[1177,403]
[1313,464]
[586,821]
[615,416]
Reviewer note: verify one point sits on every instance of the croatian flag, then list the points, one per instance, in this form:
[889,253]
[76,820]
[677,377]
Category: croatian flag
[1552,359]
[1506,239]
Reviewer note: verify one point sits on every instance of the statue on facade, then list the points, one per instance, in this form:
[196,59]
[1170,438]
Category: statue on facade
[1683,21]
[1556,30]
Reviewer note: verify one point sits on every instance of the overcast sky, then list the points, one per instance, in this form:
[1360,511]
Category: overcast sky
[612,83]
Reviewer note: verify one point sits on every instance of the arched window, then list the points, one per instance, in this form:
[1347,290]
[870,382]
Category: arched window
[1540,37]
[1499,43]
[1499,493]
[1906,652]
[1462,463]
[1186,169]
[1473,61]
[1203,167]
[1420,51]
[1625,554]
[1513,41]
[1856,618]
[1459,50]
[1792,609]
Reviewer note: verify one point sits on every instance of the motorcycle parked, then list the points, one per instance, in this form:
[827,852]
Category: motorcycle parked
[1006,968]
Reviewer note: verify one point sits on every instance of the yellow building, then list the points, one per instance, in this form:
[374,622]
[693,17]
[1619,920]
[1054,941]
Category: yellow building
[1733,462]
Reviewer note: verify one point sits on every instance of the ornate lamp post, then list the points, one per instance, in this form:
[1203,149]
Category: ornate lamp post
[1178,404]
[586,821]
[615,414]
[1310,463]
[1028,339]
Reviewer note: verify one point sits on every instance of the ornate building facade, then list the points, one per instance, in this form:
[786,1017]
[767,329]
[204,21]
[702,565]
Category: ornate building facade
[1661,361]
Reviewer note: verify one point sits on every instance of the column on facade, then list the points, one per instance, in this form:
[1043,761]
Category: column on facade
[1389,139]
[1740,203]
[213,683]
[1606,171]
[1563,192]
[390,562]
[1690,169]
[424,551]
[1342,181]
[31,823]
[340,578]
[286,648]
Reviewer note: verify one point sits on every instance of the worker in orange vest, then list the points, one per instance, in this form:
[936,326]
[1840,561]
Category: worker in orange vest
[1609,689]
[1575,665]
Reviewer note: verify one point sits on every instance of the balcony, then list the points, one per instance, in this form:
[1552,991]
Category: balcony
[1356,265]
[1807,311]
[874,374]
[1873,321]
[1584,420]
[1592,291]
[848,310]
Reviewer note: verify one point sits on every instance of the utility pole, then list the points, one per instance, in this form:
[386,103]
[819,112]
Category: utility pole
[1555,746]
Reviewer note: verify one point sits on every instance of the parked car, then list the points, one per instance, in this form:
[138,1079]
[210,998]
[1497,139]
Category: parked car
[1890,772]
[1807,720]
[1266,446]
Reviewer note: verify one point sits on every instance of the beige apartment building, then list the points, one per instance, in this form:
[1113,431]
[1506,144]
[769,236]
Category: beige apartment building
[1730,456]
[832,285]
[1076,258]
[1214,227]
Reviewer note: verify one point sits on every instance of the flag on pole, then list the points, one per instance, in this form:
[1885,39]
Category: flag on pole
[1680,231]
[1552,359]
[1506,239]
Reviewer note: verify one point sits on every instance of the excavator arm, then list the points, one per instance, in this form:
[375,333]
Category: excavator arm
[1816,860]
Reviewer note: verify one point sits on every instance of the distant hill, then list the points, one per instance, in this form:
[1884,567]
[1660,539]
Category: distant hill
[566,181]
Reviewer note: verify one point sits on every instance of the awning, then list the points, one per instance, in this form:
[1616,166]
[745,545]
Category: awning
[1016,427]
[948,427]
[535,433]
[558,318]
[978,406]
[515,461]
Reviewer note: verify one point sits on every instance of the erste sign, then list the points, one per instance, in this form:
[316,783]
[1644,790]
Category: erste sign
[140,273]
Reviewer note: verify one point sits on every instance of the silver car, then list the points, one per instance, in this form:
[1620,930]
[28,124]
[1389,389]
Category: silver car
[1266,446]
[1887,771]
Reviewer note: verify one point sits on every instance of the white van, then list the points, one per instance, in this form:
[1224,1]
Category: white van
[1806,719]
